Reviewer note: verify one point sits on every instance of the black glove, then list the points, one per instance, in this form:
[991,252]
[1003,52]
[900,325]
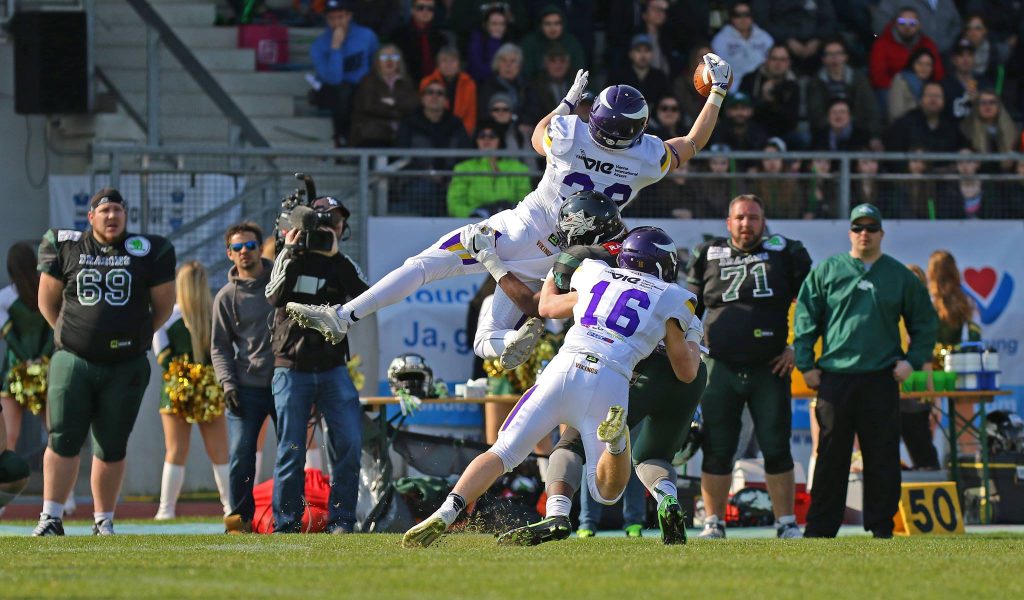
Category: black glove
[231,401]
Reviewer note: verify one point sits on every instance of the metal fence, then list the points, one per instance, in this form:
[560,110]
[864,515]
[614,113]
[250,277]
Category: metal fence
[191,193]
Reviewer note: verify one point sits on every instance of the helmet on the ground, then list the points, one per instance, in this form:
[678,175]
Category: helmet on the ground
[588,217]
[649,250]
[618,117]
[409,372]
[750,507]
[1005,432]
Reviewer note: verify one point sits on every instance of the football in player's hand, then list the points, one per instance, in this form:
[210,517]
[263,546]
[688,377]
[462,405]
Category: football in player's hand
[702,80]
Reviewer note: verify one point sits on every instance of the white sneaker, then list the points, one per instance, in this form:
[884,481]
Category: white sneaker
[714,529]
[611,430]
[164,513]
[788,531]
[323,318]
[104,527]
[521,347]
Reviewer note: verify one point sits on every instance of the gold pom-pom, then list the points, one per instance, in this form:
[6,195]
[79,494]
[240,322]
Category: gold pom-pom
[193,390]
[525,375]
[26,382]
[358,379]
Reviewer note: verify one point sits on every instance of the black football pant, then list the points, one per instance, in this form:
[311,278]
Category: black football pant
[917,435]
[866,405]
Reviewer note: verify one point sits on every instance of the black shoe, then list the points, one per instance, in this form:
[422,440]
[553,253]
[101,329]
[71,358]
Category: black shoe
[48,526]
[881,535]
[548,530]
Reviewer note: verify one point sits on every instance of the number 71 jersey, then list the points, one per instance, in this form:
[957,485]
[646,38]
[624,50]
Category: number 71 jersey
[621,314]
[105,315]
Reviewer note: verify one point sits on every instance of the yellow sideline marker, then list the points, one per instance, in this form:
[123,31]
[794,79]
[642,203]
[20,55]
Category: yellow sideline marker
[929,509]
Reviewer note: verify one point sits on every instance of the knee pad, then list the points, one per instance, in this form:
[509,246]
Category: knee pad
[716,465]
[596,494]
[777,462]
[110,455]
[65,444]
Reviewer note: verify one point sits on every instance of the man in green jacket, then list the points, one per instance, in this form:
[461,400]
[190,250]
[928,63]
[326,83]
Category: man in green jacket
[854,302]
[486,180]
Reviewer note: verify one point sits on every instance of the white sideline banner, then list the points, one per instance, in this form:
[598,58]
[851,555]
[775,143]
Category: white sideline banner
[432,322]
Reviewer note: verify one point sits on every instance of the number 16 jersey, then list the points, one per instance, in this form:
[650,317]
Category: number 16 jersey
[106,314]
[621,314]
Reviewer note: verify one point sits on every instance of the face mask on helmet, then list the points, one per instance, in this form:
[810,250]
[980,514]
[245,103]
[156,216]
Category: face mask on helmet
[1005,432]
[587,218]
[409,372]
[649,250]
[618,117]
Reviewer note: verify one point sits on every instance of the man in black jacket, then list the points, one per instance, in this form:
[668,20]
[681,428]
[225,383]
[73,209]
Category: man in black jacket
[308,371]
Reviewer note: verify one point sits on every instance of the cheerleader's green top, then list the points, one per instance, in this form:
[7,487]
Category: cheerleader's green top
[26,332]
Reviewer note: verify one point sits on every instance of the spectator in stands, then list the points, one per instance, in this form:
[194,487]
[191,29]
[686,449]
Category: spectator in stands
[922,190]
[866,187]
[460,87]
[667,121]
[382,100]
[420,39]
[654,17]
[683,89]
[341,57]
[499,108]
[507,79]
[990,129]
[742,42]
[186,337]
[961,85]
[800,26]
[822,190]
[652,83]
[244,361]
[483,195]
[892,48]
[485,40]
[926,126]
[939,19]
[550,85]
[775,93]
[966,198]
[905,91]
[781,194]
[433,126]
[739,130]
[989,55]
[550,31]
[836,79]
[860,369]
[841,132]
[465,15]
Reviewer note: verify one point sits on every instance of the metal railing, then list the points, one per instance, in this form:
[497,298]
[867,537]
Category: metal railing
[231,183]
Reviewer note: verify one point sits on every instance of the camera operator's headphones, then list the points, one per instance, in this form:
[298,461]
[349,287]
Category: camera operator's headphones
[329,203]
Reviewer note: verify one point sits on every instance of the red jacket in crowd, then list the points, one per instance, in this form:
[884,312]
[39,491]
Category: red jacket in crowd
[889,57]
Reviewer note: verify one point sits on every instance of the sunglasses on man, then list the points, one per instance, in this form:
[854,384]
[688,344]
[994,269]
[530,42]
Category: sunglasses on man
[870,228]
[907,21]
[249,245]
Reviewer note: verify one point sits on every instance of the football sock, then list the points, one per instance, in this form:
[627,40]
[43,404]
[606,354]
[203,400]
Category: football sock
[618,446]
[70,505]
[786,520]
[314,460]
[259,467]
[53,509]
[98,517]
[558,506]
[391,289]
[664,488]
[221,478]
[453,505]
[171,481]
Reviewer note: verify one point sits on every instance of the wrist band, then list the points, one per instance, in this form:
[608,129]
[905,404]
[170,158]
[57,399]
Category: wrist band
[716,97]
[564,107]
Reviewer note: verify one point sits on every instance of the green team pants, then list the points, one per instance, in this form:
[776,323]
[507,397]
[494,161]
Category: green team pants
[105,396]
[768,396]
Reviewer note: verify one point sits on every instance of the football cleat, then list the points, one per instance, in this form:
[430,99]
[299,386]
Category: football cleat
[547,530]
[788,531]
[520,348]
[425,533]
[672,521]
[103,527]
[714,529]
[323,318]
[634,531]
[585,533]
[48,526]
[613,427]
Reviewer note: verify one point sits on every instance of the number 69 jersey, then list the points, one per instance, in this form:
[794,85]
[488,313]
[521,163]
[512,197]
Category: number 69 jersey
[105,315]
[621,314]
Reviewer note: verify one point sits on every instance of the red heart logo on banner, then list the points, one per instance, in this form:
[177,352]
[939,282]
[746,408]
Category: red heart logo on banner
[982,281]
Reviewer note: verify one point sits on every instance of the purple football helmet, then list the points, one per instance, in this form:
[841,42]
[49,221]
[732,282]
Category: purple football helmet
[649,250]
[618,117]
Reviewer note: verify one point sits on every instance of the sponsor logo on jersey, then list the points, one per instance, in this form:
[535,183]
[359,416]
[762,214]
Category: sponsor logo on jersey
[64,235]
[864,284]
[776,242]
[554,240]
[592,359]
[118,344]
[743,260]
[763,333]
[624,277]
[605,167]
[586,368]
[600,337]
[718,252]
[89,260]
[137,245]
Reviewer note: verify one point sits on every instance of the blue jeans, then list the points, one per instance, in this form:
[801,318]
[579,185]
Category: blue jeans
[634,505]
[255,405]
[295,393]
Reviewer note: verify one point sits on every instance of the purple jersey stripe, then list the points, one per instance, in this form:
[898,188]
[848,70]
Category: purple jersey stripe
[516,408]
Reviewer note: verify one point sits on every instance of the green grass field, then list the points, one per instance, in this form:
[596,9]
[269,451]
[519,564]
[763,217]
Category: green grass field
[472,566]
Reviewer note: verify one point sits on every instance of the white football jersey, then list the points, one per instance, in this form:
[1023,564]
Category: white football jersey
[620,316]
[575,162]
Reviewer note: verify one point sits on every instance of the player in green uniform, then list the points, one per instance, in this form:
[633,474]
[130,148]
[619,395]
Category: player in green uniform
[104,291]
[747,283]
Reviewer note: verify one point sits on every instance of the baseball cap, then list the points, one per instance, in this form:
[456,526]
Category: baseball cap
[738,97]
[329,203]
[963,45]
[338,5]
[104,196]
[866,211]
[641,39]
[777,142]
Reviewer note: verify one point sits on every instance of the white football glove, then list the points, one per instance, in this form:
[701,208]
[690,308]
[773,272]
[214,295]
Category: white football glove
[568,104]
[695,332]
[720,72]
[476,237]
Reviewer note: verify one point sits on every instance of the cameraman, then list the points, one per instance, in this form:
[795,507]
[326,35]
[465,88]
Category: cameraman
[309,370]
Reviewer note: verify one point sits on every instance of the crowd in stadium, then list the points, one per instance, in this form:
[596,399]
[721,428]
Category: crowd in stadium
[901,76]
